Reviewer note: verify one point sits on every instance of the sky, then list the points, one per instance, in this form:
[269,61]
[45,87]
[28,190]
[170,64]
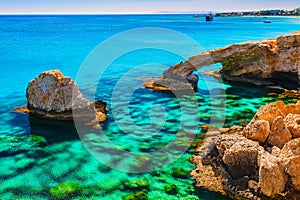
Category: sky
[140,6]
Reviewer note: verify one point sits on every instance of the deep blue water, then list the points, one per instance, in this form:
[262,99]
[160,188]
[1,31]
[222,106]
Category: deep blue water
[32,44]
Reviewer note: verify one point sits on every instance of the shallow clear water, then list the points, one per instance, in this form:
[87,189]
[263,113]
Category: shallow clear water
[32,44]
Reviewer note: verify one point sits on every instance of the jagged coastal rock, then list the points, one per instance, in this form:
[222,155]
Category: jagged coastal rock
[268,62]
[259,161]
[50,96]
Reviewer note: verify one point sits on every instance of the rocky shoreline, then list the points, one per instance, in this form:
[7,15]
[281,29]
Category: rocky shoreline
[272,62]
[258,161]
[54,96]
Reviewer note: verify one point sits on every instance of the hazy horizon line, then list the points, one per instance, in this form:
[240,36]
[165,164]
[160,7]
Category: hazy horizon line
[133,13]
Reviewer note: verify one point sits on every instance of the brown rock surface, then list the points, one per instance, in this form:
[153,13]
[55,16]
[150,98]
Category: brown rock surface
[257,130]
[54,96]
[290,156]
[292,122]
[272,178]
[268,112]
[279,134]
[241,158]
[207,177]
[243,168]
[267,62]
[161,84]
[288,109]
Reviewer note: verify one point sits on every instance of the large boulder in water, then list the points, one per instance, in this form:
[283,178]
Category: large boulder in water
[54,96]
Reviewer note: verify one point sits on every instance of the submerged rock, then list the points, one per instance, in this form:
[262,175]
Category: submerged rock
[268,62]
[171,189]
[259,161]
[140,195]
[137,184]
[12,145]
[54,96]
[180,173]
[65,190]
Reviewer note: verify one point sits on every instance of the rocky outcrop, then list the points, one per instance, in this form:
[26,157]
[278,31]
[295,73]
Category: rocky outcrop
[259,161]
[268,62]
[279,134]
[54,96]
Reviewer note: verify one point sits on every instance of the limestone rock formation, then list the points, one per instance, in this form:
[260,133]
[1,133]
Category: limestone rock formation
[290,156]
[279,134]
[272,178]
[257,130]
[241,159]
[267,62]
[259,161]
[54,96]
[274,124]
[292,123]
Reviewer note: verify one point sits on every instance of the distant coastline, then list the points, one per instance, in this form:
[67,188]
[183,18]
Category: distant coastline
[277,12]
[294,12]
[271,12]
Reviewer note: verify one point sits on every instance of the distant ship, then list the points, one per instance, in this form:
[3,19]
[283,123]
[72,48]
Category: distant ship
[209,17]
[267,21]
[197,16]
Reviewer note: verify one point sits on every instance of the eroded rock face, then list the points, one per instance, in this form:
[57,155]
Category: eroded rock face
[268,112]
[290,156]
[267,62]
[54,96]
[292,122]
[257,130]
[279,134]
[241,157]
[272,178]
[273,124]
[259,161]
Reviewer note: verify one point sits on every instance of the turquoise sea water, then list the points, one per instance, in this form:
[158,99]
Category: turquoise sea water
[30,167]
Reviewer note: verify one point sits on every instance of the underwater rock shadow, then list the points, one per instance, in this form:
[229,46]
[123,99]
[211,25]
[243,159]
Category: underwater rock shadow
[248,90]
[54,131]
[205,194]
